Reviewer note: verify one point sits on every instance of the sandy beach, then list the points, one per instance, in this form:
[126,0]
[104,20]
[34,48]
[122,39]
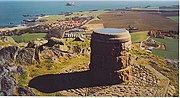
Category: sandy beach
[12,28]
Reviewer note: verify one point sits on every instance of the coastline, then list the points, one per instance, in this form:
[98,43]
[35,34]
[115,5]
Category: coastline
[139,9]
[12,28]
[22,26]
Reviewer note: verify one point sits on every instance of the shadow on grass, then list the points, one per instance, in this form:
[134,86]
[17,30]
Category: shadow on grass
[51,83]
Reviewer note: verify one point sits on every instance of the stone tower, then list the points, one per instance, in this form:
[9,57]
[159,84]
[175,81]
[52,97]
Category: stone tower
[110,52]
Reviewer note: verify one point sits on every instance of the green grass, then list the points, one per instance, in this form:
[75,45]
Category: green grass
[7,44]
[172,48]
[53,18]
[175,18]
[52,67]
[139,36]
[28,37]
[93,13]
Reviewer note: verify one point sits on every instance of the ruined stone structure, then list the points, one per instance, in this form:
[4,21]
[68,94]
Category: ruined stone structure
[110,53]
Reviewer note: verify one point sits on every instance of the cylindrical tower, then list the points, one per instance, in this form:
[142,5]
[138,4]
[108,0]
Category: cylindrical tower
[110,49]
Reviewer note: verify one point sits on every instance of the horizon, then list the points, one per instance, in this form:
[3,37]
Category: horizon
[88,0]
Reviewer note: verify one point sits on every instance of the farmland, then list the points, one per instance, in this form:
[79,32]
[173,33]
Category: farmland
[53,18]
[139,36]
[174,18]
[172,48]
[28,37]
[144,21]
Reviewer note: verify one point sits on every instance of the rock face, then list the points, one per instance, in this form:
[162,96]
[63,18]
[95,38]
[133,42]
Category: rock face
[14,54]
[25,56]
[36,43]
[110,52]
[52,41]
[25,91]
[8,54]
[7,81]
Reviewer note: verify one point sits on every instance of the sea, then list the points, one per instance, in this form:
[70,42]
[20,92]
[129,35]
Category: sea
[11,12]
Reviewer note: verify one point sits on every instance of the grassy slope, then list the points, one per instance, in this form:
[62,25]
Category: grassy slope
[139,36]
[172,48]
[50,67]
[28,37]
[175,18]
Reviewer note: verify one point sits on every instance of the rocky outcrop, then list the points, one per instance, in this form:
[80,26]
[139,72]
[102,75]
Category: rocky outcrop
[25,91]
[14,54]
[53,53]
[76,49]
[36,43]
[7,81]
[8,54]
[52,41]
[172,63]
[25,56]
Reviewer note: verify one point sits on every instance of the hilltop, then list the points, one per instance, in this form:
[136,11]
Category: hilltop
[60,48]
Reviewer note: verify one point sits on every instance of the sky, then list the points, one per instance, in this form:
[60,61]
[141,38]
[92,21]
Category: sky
[88,0]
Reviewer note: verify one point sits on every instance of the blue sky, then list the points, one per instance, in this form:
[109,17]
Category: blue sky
[88,0]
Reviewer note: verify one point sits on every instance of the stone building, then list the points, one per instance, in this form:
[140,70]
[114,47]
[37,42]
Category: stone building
[110,52]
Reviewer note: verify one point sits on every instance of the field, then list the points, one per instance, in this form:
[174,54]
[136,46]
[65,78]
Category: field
[175,18]
[28,37]
[172,48]
[53,18]
[144,21]
[139,36]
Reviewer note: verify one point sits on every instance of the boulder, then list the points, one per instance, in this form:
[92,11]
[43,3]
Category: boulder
[48,55]
[52,41]
[3,93]
[8,54]
[7,81]
[25,56]
[172,63]
[7,85]
[25,91]
[37,43]
[19,69]
[77,49]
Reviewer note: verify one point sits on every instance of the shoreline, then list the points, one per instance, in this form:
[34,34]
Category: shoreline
[12,28]
[20,26]
[139,9]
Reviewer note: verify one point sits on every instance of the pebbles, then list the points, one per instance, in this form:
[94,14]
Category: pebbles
[143,77]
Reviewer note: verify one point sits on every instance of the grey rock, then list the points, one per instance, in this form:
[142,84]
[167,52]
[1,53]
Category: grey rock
[8,54]
[25,91]
[7,85]
[20,70]
[172,63]
[25,56]
[3,93]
